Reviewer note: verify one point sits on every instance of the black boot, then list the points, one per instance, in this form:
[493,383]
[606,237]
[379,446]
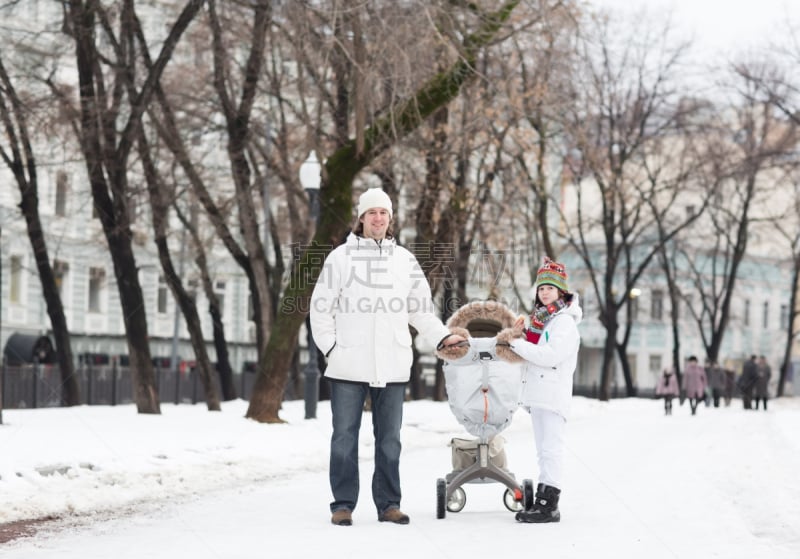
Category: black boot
[545,506]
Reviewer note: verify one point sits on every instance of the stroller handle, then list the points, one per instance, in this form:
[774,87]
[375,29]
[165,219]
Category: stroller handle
[465,343]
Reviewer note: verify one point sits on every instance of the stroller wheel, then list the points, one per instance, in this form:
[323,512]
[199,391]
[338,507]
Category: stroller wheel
[527,494]
[457,500]
[513,499]
[441,495]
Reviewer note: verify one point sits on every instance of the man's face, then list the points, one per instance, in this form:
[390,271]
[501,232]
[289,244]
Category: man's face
[376,223]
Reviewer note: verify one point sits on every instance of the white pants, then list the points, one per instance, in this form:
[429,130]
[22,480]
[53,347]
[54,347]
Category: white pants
[548,432]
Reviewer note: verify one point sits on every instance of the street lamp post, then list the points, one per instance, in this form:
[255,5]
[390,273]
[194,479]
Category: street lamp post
[310,179]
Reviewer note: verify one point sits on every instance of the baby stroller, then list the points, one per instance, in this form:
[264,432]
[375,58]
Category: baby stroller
[483,381]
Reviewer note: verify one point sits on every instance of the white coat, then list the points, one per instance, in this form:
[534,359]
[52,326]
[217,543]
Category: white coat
[550,365]
[365,298]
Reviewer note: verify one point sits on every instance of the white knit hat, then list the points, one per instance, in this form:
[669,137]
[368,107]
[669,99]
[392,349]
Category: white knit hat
[374,198]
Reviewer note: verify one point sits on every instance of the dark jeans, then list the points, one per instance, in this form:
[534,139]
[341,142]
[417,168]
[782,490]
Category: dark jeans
[668,405]
[347,406]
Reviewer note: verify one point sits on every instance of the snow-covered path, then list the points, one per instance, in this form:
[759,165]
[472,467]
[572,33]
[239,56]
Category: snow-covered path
[724,483]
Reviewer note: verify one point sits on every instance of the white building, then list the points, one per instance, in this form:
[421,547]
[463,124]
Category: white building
[87,284]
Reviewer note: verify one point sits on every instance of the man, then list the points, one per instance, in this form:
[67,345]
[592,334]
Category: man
[368,293]
[747,381]
[716,381]
[761,388]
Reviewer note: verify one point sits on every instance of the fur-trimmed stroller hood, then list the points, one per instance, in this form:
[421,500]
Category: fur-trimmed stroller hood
[483,377]
[483,319]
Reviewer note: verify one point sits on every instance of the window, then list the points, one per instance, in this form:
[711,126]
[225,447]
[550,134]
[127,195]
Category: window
[97,280]
[634,366]
[747,312]
[765,322]
[162,295]
[60,269]
[784,319]
[62,185]
[15,287]
[634,303]
[656,304]
[655,364]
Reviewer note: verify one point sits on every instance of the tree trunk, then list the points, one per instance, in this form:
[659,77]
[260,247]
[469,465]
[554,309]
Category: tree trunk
[622,355]
[607,371]
[787,354]
[135,319]
[70,391]
[224,369]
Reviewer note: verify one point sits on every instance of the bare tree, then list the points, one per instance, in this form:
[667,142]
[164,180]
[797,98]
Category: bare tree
[110,121]
[237,117]
[775,87]
[626,105]
[746,155]
[223,364]
[20,158]
[683,164]
[159,205]
[541,69]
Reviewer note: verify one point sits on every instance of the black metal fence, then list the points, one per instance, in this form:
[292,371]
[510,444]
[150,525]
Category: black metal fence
[39,386]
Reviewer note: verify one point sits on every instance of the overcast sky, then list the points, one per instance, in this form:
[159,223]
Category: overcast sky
[720,26]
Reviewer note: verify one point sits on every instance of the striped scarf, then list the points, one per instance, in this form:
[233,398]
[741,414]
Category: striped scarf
[540,317]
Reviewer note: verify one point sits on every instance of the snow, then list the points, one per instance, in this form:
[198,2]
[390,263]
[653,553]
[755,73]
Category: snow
[188,482]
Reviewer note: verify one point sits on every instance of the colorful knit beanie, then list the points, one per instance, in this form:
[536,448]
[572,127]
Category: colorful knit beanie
[552,273]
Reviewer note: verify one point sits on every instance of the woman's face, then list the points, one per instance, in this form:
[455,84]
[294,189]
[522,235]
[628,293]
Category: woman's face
[547,293]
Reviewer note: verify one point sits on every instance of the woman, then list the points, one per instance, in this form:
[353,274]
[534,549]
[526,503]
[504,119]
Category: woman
[694,383]
[667,388]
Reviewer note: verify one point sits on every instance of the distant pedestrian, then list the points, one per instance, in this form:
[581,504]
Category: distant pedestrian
[730,383]
[761,392]
[747,381]
[667,388]
[694,383]
[716,381]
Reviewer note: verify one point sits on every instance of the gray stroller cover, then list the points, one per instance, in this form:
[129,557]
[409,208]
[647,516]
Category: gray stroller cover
[483,377]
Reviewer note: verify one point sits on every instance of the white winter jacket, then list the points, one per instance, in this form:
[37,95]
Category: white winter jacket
[365,298]
[550,364]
